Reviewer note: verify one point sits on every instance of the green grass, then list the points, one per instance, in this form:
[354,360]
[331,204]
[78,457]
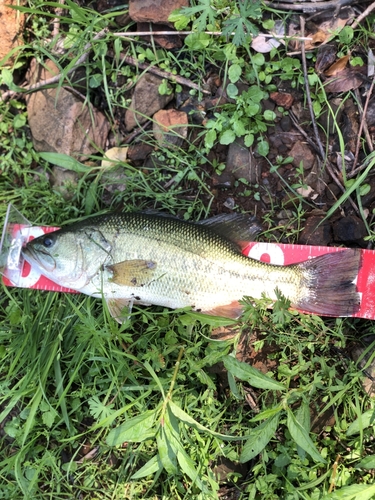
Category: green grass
[91,409]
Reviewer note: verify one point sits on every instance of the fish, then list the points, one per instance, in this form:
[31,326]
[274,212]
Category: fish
[155,259]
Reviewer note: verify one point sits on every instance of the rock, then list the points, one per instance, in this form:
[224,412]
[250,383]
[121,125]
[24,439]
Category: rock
[301,153]
[282,99]
[286,124]
[12,24]
[241,162]
[154,11]
[349,229]
[316,232]
[146,101]
[60,122]
[317,179]
[170,127]
[139,151]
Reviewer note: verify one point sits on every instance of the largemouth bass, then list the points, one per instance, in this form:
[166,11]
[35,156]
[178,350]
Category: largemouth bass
[153,259]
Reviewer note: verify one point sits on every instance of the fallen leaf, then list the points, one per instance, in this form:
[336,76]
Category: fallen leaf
[318,37]
[347,79]
[113,156]
[337,66]
[263,45]
[325,57]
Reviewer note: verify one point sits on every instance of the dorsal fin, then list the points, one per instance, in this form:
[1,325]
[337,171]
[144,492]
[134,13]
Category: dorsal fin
[239,228]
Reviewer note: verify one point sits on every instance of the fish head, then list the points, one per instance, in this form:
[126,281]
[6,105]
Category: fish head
[70,258]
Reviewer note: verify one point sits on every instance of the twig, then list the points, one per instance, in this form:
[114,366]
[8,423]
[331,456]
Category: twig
[215,33]
[363,124]
[308,95]
[56,21]
[364,14]
[161,73]
[55,79]
[315,127]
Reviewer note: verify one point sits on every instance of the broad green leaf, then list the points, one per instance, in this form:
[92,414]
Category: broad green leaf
[65,161]
[166,453]
[364,421]
[19,121]
[188,420]
[263,148]
[239,128]
[150,467]
[302,438]
[136,429]
[249,140]
[232,90]
[243,371]
[197,41]
[303,416]
[234,73]
[269,115]
[353,492]
[366,463]
[187,466]
[227,137]
[210,138]
[259,438]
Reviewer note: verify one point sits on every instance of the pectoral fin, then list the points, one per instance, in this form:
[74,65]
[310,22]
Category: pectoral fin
[132,272]
[120,309]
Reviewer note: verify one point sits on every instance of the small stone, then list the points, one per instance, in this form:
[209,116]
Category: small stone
[154,11]
[139,151]
[286,124]
[60,122]
[146,101]
[301,153]
[241,162]
[316,232]
[349,229]
[170,127]
[282,99]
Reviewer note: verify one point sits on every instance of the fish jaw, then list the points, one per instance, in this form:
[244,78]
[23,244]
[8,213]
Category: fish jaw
[46,267]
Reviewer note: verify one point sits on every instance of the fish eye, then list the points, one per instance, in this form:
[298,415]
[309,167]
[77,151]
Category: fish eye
[48,242]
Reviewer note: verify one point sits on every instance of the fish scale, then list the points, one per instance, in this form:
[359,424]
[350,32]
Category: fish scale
[153,259]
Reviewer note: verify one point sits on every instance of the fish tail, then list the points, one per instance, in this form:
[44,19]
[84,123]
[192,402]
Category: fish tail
[328,284]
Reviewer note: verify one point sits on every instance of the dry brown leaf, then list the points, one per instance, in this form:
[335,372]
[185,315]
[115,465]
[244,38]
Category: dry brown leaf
[325,57]
[318,37]
[337,66]
[347,79]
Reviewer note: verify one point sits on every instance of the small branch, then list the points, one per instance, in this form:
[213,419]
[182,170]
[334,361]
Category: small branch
[56,21]
[215,33]
[363,124]
[55,79]
[364,14]
[163,74]
[308,95]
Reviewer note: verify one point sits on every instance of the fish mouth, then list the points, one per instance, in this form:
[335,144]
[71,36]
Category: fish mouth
[44,261]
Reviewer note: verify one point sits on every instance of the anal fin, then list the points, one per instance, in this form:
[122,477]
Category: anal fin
[232,310]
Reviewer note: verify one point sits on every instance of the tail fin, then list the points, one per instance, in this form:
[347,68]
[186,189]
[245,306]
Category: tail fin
[327,285]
